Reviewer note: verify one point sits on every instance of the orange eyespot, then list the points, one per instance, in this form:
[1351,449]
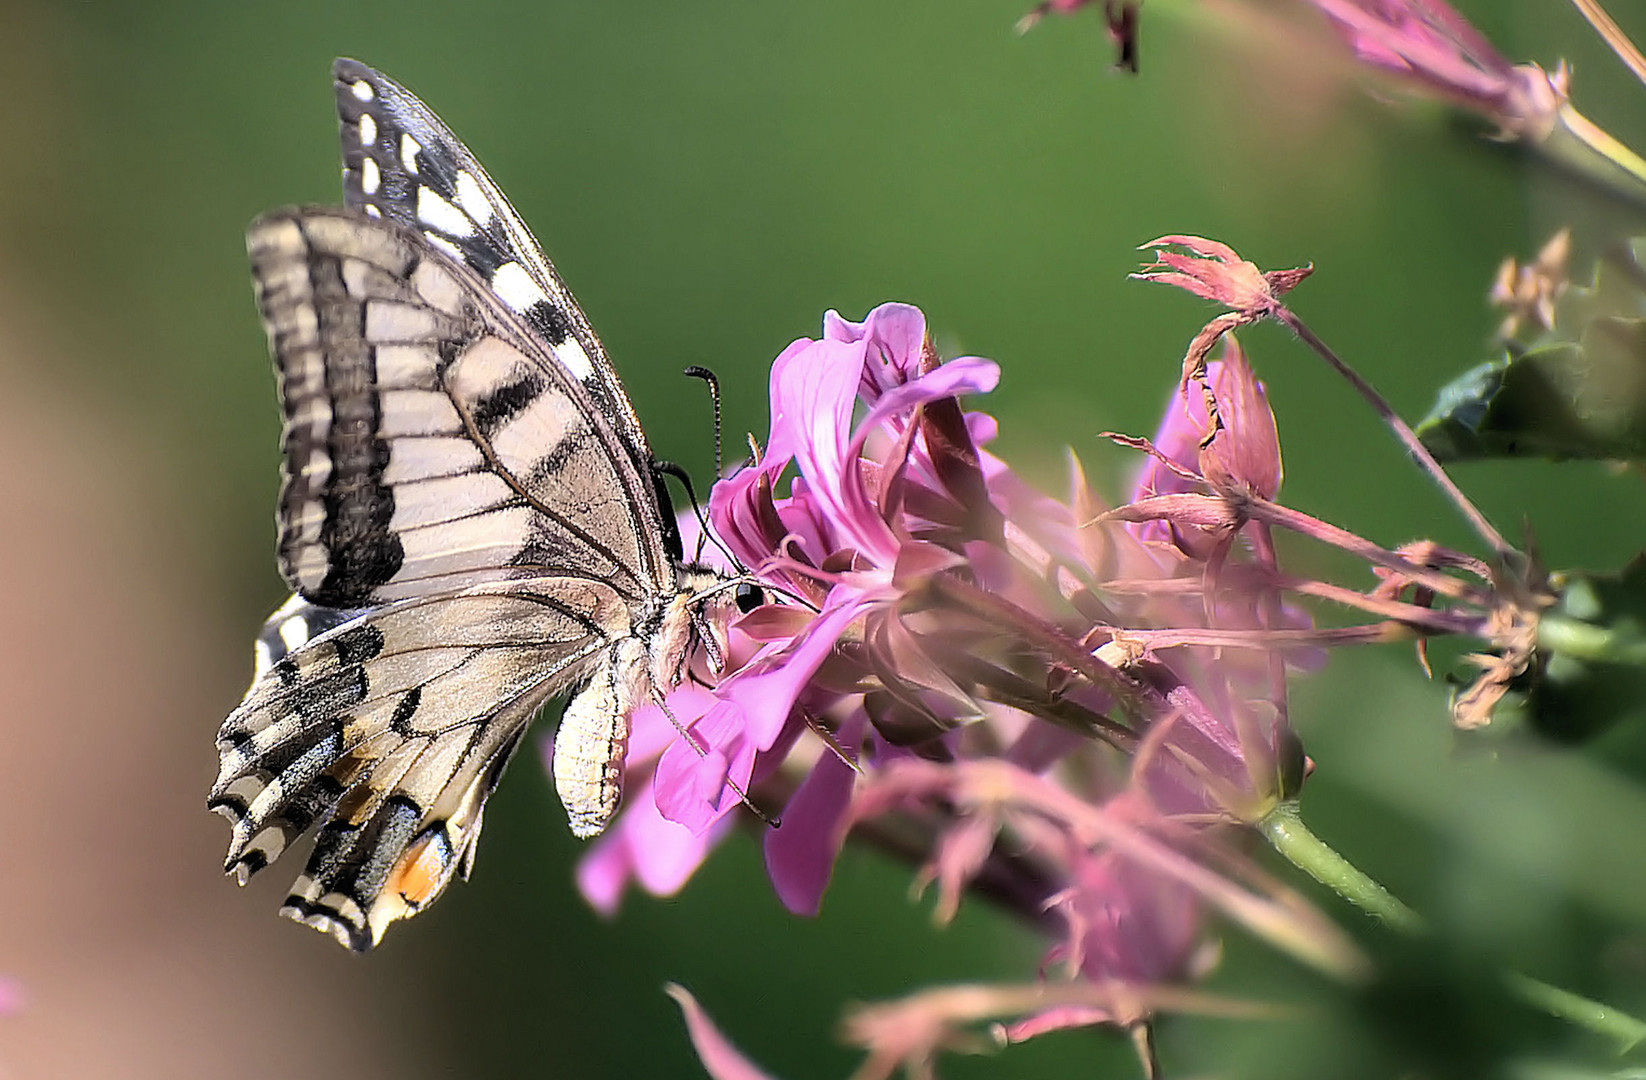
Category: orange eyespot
[417,874]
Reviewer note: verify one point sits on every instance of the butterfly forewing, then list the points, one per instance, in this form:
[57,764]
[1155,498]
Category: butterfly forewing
[401,162]
[428,444]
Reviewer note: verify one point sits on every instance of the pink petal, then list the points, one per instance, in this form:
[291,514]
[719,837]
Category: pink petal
[800,854]
[643,847]
[721,1060]
[894,340]
[752,710]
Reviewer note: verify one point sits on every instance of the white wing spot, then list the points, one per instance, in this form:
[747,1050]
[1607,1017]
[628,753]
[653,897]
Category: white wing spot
[439,214]
[516,287]
[409,149]
[440,242]
[362,90]
[369,176]
[372,211]
[294,632]
[471,198]
[574,359]
[368,129]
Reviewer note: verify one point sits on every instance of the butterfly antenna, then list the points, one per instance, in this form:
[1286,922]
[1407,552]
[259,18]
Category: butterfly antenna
[702,752]
[713,384]
[669,468]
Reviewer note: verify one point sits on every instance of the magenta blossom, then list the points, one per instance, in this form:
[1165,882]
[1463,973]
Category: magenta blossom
[1430,45]
[1057,705]
[927,562]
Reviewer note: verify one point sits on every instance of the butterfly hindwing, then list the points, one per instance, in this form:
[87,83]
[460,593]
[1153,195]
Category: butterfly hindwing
[429,445]
[386,731]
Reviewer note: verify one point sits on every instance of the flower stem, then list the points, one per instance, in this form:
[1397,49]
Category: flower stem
[1595,1016]
[1577,143]
[1613,36]
[1402,431]
[1285,831]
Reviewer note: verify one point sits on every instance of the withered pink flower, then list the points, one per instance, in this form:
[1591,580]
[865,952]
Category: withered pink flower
[1431,46]
[1214,271]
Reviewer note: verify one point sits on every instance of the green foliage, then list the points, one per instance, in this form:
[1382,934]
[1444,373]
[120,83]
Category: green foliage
[1577,392]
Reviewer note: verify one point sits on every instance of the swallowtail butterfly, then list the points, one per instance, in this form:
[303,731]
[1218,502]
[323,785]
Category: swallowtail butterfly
[470,520]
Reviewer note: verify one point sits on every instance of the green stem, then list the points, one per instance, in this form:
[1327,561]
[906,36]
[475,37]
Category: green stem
[1402,430]
[1594,1016]
[1586,641]
[1285,831]
[1577,143]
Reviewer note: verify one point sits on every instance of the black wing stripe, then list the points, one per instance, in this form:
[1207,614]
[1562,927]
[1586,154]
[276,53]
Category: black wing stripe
[421,357]
[403,163]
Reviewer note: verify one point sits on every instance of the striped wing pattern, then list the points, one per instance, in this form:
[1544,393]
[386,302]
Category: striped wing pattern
[459,524]
[385,731]
[402,163]
[469,519]
[428,446]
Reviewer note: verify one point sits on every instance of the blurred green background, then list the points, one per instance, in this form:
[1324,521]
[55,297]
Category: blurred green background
[710,178]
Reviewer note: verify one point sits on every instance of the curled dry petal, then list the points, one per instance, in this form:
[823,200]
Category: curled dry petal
[1215,271]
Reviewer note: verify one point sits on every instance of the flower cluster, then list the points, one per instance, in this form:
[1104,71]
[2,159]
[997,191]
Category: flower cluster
[1073,708]
[1053,703]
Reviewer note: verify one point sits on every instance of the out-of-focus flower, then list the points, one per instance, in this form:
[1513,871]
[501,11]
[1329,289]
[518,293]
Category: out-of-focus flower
[1528,292]
[1431,46]
[1427,46]
[1120,19]
[721,1060]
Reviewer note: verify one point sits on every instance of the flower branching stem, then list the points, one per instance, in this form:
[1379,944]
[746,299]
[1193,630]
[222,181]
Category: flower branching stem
[1408,438]
[1284,829]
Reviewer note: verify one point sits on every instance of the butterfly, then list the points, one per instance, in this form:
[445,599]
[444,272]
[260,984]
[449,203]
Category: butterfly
[470,519]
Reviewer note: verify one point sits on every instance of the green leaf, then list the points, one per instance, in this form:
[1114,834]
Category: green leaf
[1576,392]
[1565,401]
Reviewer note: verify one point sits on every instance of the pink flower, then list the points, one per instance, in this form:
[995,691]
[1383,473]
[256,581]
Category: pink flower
[1219,434]
[1428,44]
[961,662]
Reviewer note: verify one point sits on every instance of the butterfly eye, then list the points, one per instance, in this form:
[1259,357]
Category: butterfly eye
[748,597]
